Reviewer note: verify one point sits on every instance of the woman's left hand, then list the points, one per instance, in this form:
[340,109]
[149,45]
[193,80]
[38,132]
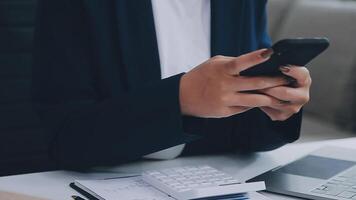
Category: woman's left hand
[292,97]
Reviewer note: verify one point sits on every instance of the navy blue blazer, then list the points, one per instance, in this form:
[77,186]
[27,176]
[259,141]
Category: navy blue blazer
[98,90]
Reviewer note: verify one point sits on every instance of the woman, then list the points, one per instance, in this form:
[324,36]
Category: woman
[109,80]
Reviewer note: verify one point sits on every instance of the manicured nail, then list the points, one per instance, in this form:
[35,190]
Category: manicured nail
[267,53]
[284,102]
[285,69]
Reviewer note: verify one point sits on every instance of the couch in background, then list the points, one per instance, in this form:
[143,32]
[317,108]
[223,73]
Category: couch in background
[332,109]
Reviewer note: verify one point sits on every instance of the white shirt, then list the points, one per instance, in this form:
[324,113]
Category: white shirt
[183,37]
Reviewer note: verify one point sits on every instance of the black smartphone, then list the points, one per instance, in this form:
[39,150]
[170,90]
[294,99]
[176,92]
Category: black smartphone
[299,51]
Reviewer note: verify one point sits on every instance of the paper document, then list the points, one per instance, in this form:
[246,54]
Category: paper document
[134,188]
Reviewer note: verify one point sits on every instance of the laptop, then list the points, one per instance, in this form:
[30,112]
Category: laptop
[325,174]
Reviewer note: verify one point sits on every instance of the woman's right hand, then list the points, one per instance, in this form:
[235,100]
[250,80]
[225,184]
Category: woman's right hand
[214,89]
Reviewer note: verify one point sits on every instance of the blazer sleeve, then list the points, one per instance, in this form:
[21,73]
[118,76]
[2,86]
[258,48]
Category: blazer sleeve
[250,131]
[86,129]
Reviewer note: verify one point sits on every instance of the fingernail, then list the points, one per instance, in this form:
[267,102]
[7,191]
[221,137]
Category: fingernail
[285,69]
[267,53]
[284,102]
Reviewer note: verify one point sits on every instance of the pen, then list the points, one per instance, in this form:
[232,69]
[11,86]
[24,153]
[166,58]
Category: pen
[77,197]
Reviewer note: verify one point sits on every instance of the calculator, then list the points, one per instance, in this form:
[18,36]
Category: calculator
[195,182]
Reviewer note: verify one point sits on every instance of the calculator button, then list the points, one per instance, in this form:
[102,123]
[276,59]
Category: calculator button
[205,184]
[347,184]
[226,182]
[196,182]
[346,194]
[334,191]
[339,179]
[205,167]
[319,191]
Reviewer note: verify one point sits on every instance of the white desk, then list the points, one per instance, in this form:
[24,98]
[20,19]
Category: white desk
[54,185]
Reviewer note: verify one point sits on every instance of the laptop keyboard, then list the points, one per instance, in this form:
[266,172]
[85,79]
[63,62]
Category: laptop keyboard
[342,186]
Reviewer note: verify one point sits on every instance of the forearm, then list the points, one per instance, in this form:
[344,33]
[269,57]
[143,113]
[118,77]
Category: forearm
[116,130]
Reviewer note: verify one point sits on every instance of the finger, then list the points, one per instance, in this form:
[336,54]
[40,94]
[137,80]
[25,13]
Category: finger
[287,109]
[270,111]
[288,94]
[222,58]
[251,100]
[238,109]
[242,83]
[275,115]
[300,74]
[246,61]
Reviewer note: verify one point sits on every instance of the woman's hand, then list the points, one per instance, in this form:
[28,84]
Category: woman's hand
[215,89]
[293,97]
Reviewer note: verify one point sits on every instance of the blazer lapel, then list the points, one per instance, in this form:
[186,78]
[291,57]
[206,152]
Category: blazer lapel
[109,77]
[128,39]
[137,40]
[227,20]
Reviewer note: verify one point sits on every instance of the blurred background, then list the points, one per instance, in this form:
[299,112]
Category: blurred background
[331,113]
